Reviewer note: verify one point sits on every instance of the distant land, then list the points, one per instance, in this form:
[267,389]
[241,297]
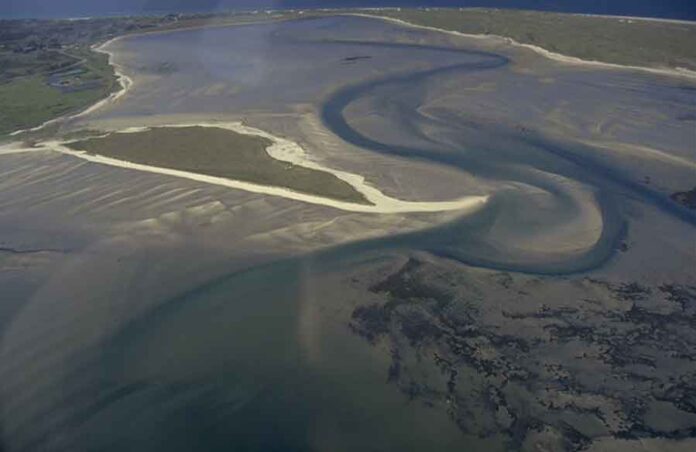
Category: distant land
[672,9]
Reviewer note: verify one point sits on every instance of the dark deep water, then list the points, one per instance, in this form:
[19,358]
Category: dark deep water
[672,9]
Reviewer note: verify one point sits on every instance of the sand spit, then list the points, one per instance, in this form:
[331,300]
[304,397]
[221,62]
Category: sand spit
[123,80]
[679,72]
[16,147]
[287,151]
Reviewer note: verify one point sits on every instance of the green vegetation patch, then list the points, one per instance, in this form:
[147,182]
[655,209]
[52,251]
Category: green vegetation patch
[220,153]
[607,39]
[27,101]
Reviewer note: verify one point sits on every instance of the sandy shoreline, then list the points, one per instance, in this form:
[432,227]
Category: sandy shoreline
[123,80]
[684,73]
[288,151]
[474,8]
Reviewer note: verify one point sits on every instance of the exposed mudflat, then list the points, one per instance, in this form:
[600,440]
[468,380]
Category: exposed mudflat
[149,312]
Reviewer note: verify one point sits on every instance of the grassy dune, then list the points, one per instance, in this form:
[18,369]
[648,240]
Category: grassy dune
[220,153]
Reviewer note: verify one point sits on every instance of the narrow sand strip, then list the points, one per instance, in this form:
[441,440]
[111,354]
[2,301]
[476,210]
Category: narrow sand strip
[16,147]
[685,73]
[644,152]
[287,151]
[638,18]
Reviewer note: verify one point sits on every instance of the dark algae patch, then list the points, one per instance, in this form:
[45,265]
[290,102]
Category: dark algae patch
[355,59]
[685,198]
[220,153]
[561,368]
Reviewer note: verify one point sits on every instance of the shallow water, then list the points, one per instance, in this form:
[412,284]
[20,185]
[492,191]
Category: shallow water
[262,359]
[400,73]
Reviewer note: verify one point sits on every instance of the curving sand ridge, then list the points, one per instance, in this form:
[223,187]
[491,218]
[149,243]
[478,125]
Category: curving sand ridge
[16,147]
[288,151]
[123,80]
[685,73]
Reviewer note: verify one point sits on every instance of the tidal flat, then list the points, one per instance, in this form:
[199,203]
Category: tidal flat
[150,312]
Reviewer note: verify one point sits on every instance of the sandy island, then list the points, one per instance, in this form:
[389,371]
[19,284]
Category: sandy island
[286,151]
